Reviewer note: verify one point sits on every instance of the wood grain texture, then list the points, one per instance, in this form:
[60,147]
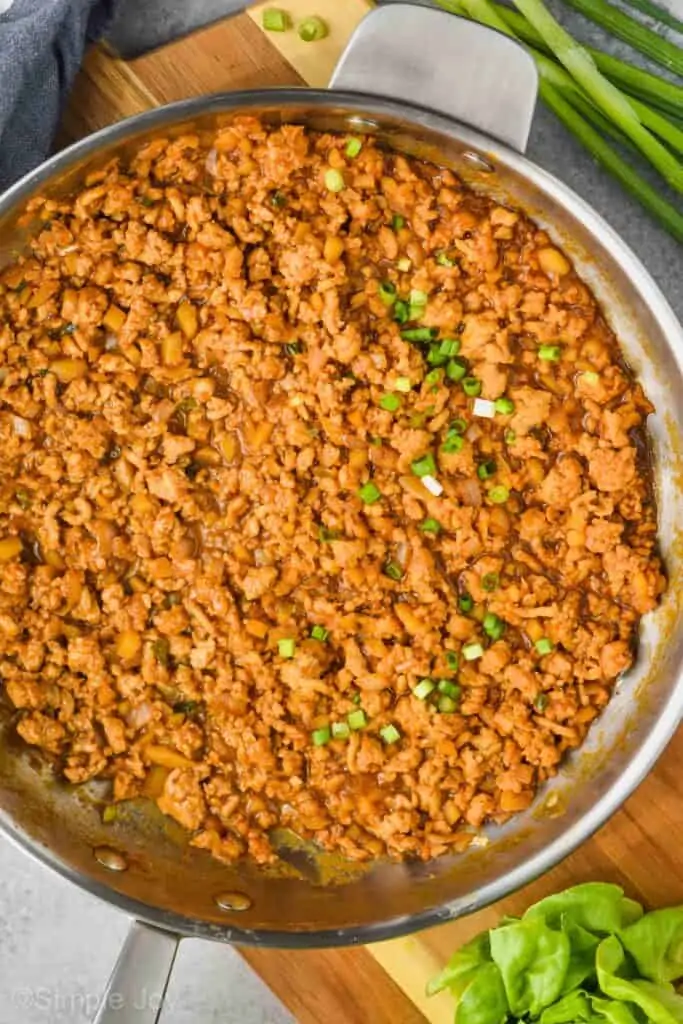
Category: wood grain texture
[333,986]
[641,847]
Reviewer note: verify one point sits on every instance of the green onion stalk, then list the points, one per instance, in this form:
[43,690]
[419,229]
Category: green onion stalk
[587,106]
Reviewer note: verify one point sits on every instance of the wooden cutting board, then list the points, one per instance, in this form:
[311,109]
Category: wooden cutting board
[642,846]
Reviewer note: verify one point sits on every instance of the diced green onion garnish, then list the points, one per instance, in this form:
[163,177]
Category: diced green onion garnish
[490,581]
[369,493]
[320,633]
[590,377]
[541,702]
[423,689]
[404,264]
[398,222]
[109,814]
[504,406]
[549,353]
[446,704]
[278,199]
[321,736]
[418,298]
[387,292]
[458,426]
[390,734]
[294,348]
[402,384]
[311,29]
[426,466]
[286,647]
[498,495]
[390,402]
[434,378]
[510,436]
[430,525]
[452,660]
[340,731]
[544,645]
[486,469]
[334,180]
[326,536]
[471,652]
[450,346]
[419,333]
[435,356]
[357,720]
[493,626]
[457,369]
[449,688]
[471,386]
[376,441]
[465,602]
[275,20]
[444,260]
[393,570]
[353,148]
[401,311]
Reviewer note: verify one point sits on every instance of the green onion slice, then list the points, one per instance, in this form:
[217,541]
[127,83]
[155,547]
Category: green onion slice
[312,29]
[369,493]
[390,734]
[334,180]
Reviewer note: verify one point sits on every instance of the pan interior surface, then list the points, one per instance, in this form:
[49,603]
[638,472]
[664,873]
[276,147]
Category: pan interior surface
[141,862]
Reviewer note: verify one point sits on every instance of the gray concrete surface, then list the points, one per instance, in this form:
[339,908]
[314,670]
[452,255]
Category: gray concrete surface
[56,944]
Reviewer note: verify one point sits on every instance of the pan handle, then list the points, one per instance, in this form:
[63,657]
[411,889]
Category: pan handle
[136,989]
[456,67]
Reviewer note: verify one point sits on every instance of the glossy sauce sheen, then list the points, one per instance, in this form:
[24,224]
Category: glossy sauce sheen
[242,518]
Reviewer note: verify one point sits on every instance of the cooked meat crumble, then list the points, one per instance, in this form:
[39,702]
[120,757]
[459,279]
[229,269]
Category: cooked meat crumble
[324,502]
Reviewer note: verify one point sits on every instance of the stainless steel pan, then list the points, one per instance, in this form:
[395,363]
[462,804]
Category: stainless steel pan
[413,77]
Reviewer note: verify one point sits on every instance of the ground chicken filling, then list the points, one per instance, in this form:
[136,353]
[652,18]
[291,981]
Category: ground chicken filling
[325,503]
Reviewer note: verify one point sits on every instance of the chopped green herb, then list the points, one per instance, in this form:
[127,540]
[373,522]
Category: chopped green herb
[401,311]
[275,20]
[161,649]
[544,645]
[340,731]
[590,377]
[465,602]
[171,600]
[504,406]
[449,688]
[471,386]
[312,29]
[404,264]
[419,333]
[278,199]
[458,426]
[430,525]
[320,633]
[499,495]
[387,292]
[450,346]
[541,702]
[446,704]
[456,370]
[490,581]
[452,660]
[334,180]
[109,814]
[423,689]
[357,720]
[22,498]
[390,734]
[148,201]
[326,536]
[286,647]
[493,626]
[294,348]
[486,469]
[353,148]
[471,652]
[550,353]
[393,570]
[426,466]
[433,378]
[321,736]
[398,222]
[376,442]
[444,260]
[509,437]
[187,707]
[356,698]
[435,356]
[418,297]
[402,384]
[369,493]
[390,402]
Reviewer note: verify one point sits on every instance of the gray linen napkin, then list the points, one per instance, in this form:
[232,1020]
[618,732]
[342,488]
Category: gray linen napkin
[41,47]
